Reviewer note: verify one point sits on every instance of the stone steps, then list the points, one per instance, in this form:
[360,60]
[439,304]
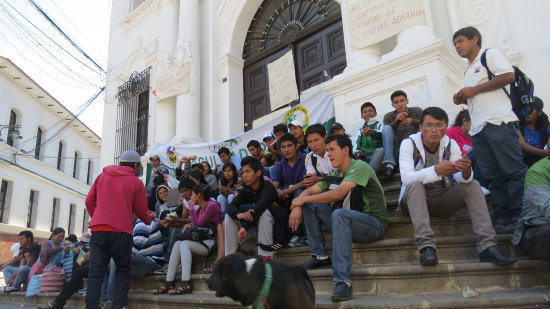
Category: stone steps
[527,298]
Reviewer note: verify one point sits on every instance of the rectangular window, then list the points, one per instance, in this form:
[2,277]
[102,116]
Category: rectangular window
[85,221]
[59,156]
[5,197]
[38,144]
[133,114]
[75,165]
[33,208]
[55,214]
[72,209]
[89,174]
[13,123]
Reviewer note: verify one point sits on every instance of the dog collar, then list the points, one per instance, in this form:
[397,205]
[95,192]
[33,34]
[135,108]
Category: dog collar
[261,299]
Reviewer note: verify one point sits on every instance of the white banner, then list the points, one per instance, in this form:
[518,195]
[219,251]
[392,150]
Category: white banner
[319,108]
[371,21]
[282,81]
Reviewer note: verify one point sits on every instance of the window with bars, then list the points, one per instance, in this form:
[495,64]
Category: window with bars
[5,197]
[60,156]
[12,126]
[85,221]
[55,214]
[133,114]
[89,173]
[38,143]
[33,208]
[72,210]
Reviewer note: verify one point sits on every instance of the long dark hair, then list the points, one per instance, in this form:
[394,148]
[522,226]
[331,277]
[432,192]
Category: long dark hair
[56,231]
[204,190]
[459,120]
[232,166]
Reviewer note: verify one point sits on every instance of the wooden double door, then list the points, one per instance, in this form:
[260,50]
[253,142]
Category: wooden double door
[317,58]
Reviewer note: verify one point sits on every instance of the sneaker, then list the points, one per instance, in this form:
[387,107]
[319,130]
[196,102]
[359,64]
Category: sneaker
[162,271]
[52,305]
[388,175]
[10,289]
[428,256]
[485,191]
[493,255]
[82,291]
[342,291]
[505,228]
[292,242]
[315,263]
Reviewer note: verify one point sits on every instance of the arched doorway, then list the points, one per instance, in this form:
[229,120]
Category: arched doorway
[312,29]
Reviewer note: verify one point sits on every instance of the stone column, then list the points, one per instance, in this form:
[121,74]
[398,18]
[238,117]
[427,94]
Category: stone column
[164,116]
[357,59]
[188,105]
[417,36]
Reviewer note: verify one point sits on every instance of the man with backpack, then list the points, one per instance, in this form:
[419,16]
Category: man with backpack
[437,181]
[350,203]
[494,126]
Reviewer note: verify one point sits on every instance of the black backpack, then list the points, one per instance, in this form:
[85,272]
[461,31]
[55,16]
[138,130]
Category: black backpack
[521,90]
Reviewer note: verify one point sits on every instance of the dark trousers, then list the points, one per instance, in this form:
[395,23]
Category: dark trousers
[104,246]
[536,242]
[76,283]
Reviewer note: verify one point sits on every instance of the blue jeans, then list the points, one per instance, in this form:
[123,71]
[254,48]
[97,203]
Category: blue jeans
[499,156]
[365,229]
[21,277]
[389,141]
[224,201]
[375,159]
[478,175]
[108,282]
[105,245]
[143,266]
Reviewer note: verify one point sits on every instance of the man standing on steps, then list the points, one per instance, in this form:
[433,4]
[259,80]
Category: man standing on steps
[494,126]
[359,213]
[116,196]
[437,181]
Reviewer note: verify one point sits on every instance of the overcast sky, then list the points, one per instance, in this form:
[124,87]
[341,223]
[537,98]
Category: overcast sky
[71,81]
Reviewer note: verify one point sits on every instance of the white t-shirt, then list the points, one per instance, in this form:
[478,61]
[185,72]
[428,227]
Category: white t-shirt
[323,164]
[493,106]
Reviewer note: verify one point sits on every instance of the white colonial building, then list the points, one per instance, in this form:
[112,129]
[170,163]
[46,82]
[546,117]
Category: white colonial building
[196,70]
[48,159]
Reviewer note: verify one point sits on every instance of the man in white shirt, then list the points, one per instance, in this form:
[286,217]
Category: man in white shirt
[494,126]
[317,161]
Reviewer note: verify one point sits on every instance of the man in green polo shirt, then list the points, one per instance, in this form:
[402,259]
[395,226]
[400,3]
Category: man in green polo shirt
[362,218]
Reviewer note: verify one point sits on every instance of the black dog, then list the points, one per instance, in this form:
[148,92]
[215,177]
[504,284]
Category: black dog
[241,278]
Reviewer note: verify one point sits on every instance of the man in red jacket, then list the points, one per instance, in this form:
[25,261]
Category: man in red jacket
[116,196]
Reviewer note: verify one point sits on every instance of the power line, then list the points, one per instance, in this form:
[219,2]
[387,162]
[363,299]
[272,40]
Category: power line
[64,35]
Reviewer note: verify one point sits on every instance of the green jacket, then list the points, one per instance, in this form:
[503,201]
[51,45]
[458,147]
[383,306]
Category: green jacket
[368,144]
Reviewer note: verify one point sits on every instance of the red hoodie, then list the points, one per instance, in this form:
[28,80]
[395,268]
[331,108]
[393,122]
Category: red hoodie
[115,196]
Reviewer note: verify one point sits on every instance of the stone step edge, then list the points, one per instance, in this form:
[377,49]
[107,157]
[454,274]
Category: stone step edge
[385,244]
[536,298]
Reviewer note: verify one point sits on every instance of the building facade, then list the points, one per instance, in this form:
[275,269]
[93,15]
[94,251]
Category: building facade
[47,172]
[197,70]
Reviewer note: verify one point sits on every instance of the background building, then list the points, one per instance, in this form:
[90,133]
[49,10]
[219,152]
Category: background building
[196,70]
[45,174]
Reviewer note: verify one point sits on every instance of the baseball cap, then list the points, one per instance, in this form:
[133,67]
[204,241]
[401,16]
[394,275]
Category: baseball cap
[268,135]
[336,126]
[130,156]
[156,157]
[297,123]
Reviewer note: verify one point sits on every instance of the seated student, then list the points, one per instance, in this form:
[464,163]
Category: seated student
[269,158]
[337,128]
[250,208]
[534,134]
[317,161]
[256,150]
[157,167]
[227,185]
[437,181]
[197,176]
[209,176]
[369,138]
[184,162]
[275,148]
[290,171]
[16,269]
[460,132]
[162,197]
[366,224]
[226,157]
[532,234]
[398,125]
[296,128]
[209,211]
[51,252]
